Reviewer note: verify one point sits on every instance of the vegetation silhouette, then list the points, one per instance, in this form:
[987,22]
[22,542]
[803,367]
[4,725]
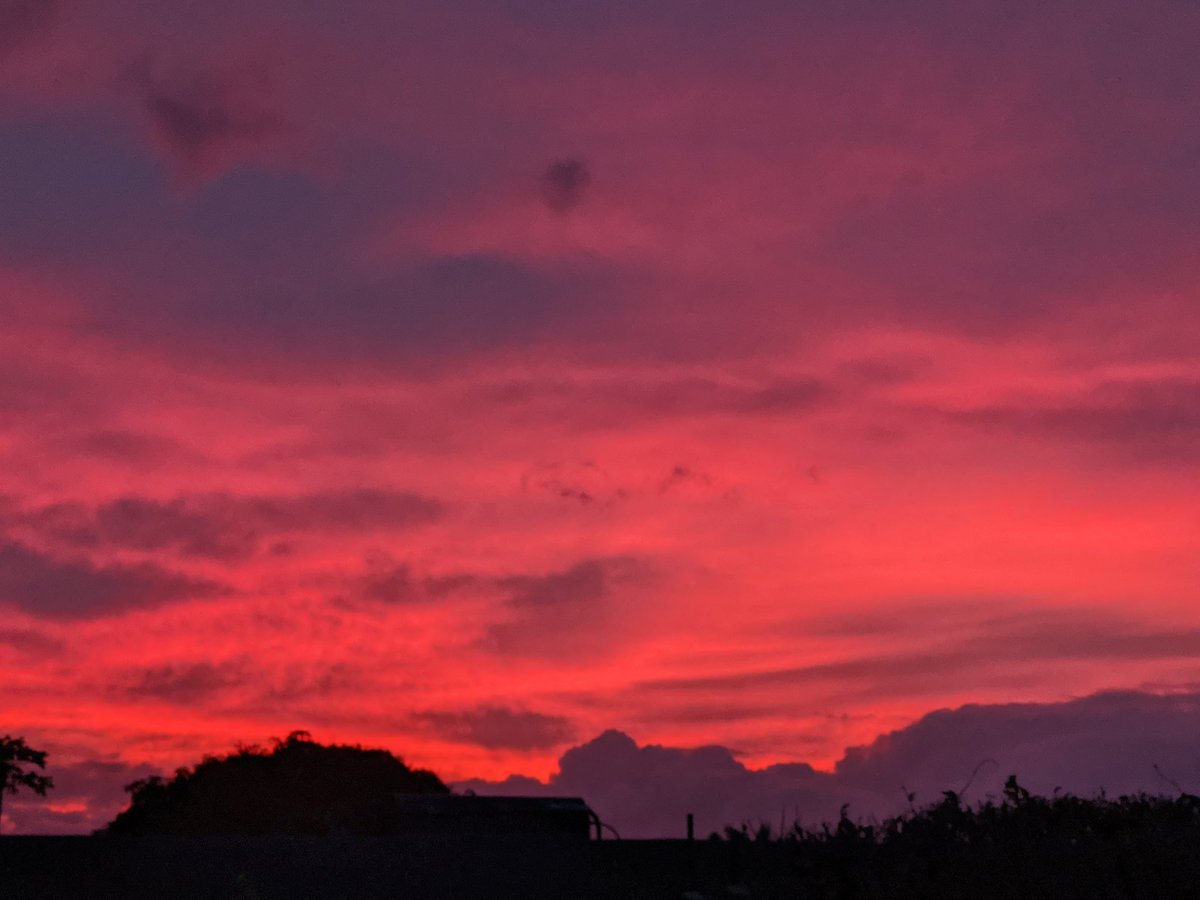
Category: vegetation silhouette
[298,787]
[14,752]
[1018,845]
[253,801]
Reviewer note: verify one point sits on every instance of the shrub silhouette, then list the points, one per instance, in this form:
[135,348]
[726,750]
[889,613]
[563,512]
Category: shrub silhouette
[298,787]
[1017,845]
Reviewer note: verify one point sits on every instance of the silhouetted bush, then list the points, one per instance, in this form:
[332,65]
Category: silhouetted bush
[1018,845]
[298,787]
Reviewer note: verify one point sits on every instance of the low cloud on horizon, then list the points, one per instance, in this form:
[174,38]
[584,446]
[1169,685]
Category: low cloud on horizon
[1110,741]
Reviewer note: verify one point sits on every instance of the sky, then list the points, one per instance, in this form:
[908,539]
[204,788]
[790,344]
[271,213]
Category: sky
[498,381]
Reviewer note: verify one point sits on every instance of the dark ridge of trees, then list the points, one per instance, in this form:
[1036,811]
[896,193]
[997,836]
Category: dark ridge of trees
[298,787]
[16,760]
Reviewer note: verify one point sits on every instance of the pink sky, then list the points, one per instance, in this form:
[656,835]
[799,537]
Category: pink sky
[474,378]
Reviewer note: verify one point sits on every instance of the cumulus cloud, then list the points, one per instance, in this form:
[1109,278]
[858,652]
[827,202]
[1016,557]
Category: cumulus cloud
[49,587]
[564,183]
[1108,741]
[646,791]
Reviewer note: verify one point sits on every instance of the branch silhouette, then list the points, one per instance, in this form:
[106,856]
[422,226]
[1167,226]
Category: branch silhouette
[15,757]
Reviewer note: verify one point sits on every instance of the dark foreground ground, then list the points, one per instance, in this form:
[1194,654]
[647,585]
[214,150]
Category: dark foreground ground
[357,868]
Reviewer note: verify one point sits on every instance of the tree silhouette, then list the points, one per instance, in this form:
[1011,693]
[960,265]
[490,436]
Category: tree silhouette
[14,752]
[297,787]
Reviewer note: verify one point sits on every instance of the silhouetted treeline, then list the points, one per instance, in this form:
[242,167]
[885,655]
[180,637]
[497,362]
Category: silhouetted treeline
[297,787]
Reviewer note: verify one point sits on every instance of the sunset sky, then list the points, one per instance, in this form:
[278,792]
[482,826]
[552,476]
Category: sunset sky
[470,378]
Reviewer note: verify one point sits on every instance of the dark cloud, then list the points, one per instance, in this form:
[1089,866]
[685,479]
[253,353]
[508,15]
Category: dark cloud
[194,120]
[1107,741]
[585,582]
[681,476]
[48,587]
[396,583]
[570,592]
[582,482]
[223,526]
[197,114]
[242,684]
[138,523]
[1143,421]
[185,683]
[564,613]
[259,258]
[567,492]
[24,20]
[344,511]
[392,585]
[312,681]
[564,183]
[498,727]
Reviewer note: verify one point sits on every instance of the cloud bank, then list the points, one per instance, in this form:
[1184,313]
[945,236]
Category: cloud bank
[1108,742]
